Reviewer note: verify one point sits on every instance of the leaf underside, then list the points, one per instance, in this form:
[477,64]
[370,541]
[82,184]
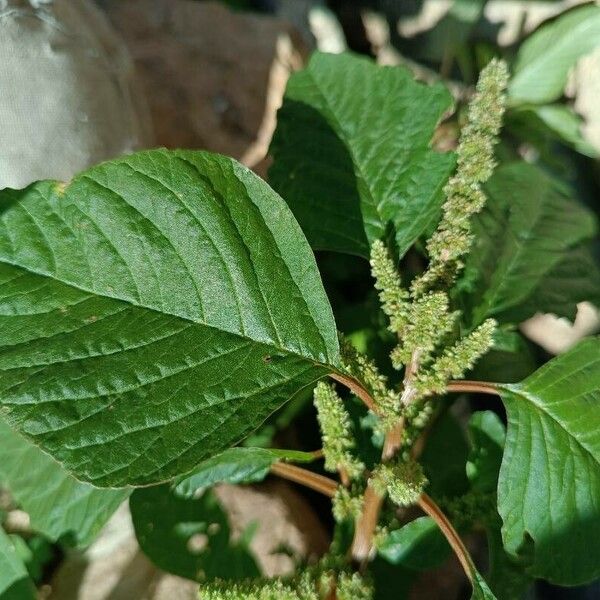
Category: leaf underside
[153,312]
[545,58]
[58,505]
[14,581]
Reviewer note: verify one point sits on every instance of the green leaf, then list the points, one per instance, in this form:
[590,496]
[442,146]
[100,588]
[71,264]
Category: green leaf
[549,487]
[235,465]
[487,435]
[528,241]
[575,278]
[565,123]
[14,581]
[154,312]
[351,153]
[481,590]
[189,537]
[418,545]
[58,505]
[545,58]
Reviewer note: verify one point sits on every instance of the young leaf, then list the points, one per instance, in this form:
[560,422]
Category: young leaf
[188,537]
[155,310]
[352,153]
[526,249]
[235,465]
[545,58]
[58,505]
[14,581]
[418,545]
[549,487]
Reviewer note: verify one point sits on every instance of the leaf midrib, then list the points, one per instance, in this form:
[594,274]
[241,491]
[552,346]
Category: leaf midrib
[166,313]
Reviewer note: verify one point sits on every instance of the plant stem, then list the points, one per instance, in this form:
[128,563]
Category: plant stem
[314,481]
[433,510]
[356,388]
[482,387]
[365,527]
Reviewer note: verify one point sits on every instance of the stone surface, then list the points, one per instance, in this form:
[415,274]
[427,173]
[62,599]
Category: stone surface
[69,98]
[114,568]
[214,78]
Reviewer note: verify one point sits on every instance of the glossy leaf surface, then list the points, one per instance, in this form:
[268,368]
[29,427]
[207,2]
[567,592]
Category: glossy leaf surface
[153,312]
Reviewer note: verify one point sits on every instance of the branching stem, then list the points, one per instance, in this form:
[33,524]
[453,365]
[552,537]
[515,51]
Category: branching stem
[428,506]
[356,388]
[481,387]
[314,481]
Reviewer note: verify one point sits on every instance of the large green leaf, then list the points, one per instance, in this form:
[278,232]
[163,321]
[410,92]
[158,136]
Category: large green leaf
[526,255]
[545,58]
[14,581]
[352,153]
[235,465]
[154,311]
[189,537]
[549,487]
[58,505]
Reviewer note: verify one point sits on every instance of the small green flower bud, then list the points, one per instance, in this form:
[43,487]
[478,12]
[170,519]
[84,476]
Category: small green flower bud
[392,296]
[346,505]
[458,359]
[403,482]
[336,431]
[353,587]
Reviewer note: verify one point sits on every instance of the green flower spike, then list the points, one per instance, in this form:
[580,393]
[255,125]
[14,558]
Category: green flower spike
[272,589]
[365,370]
[464,196]
[336,432]
[393,298]
[458,359]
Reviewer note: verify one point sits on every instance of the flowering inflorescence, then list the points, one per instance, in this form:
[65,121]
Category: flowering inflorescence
[464,196]
[347,504]
[387,400]
[402,481]
[336,432]
[421,317]
[271,589]
[312,584]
